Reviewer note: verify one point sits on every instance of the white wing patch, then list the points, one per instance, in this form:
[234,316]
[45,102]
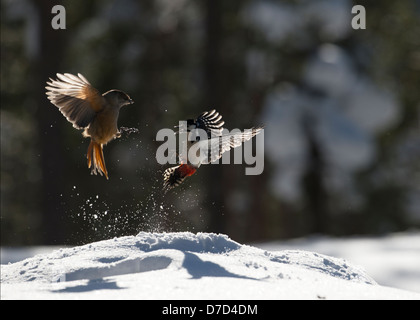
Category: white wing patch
[207,151]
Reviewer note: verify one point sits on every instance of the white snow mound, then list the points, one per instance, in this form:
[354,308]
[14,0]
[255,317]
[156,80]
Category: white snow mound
[185,266]
[155,251]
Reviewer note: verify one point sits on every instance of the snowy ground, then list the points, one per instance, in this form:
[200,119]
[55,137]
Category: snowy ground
[392,260]
[187,266]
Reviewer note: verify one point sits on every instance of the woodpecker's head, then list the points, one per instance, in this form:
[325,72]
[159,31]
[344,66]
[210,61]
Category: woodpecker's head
[191,125]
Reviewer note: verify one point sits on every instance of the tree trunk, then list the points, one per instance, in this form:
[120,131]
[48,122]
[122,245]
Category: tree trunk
[46,64]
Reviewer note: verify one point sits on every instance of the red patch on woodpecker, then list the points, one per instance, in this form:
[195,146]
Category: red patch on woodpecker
[186,170]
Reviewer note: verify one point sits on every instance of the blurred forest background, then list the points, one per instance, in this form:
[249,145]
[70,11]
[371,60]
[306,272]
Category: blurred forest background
[341,110]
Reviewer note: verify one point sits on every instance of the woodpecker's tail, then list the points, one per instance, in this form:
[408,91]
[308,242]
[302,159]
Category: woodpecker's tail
[95,159]
[173,177]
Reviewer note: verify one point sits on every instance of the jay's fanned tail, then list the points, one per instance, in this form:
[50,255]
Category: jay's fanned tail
[95,159]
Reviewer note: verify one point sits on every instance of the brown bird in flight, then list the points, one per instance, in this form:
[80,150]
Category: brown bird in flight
[87,109]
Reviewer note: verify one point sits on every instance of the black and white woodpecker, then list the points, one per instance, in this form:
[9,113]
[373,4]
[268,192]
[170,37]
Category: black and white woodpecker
[204,135]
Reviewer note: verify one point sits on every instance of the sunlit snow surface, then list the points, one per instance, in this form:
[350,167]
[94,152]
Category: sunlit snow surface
[187,266]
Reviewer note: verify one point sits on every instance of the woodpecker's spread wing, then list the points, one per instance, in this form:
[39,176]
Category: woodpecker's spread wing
[211,122]
[76,98]
[219,145]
